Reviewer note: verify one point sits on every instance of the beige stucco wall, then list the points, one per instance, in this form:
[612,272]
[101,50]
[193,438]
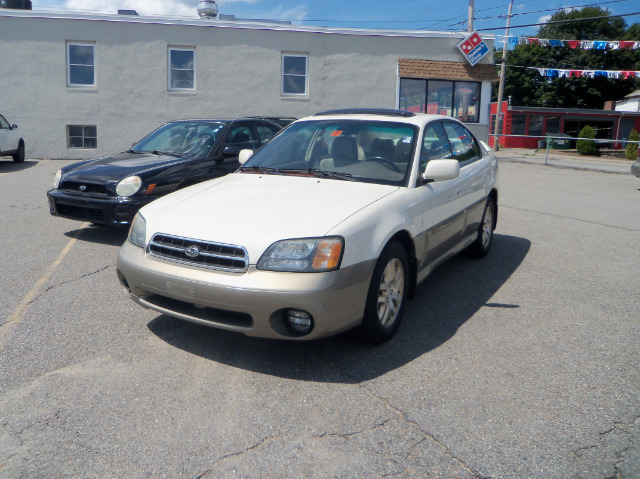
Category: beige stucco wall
[238,73]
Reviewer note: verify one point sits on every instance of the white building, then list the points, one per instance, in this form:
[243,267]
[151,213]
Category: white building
[631,102]
[81,85]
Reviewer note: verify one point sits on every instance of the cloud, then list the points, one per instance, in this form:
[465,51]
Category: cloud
[178,8]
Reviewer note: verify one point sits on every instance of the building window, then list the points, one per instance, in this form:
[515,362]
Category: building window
[412,95]
[81,65]
[294,74]
[535,125]
[457,99]
[518,124]
[82,136]
[553,124]
[182,69]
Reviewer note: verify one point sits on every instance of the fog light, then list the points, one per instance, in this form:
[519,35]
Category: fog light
[299,321]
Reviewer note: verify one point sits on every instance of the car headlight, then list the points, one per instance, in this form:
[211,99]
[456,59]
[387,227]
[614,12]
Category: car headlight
[129,186]
[138,231]
[305,255]
[56,179]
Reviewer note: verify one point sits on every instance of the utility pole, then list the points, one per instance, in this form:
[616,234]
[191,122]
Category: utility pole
[470,20]
[497,124]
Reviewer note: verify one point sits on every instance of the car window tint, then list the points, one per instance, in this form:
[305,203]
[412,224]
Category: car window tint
[435,145]
[243,137]
[265,133]
[463,144]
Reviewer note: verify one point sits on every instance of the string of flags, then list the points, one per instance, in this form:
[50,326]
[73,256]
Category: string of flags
[573,44]
[557,73]
[573,73]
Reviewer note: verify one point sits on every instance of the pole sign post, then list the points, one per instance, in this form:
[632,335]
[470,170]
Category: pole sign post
[473,48]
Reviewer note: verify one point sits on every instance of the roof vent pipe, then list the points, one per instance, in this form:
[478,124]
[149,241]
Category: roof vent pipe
[207,9]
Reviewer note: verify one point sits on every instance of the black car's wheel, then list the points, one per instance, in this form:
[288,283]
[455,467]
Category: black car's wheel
[481,246]
[387,295]
[18,156]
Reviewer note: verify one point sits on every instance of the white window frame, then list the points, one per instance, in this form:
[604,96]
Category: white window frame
[306,75]
[170,70]
[95,79]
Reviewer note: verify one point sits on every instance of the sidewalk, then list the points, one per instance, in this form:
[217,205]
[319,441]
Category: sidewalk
[566,160]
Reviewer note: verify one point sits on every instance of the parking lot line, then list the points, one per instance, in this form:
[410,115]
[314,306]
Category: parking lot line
[18,313]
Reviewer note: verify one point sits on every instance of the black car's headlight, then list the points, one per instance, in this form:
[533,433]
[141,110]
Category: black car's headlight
[56,179]
[305,255]
[138,231]
[129,186]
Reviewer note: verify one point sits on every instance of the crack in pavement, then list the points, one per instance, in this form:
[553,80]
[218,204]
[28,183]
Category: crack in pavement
[403,417]
[632,230]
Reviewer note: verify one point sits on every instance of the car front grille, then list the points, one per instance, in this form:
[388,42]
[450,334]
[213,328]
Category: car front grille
[199,253]
[83,187]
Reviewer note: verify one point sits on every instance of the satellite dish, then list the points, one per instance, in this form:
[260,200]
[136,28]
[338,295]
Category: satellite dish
[207,9]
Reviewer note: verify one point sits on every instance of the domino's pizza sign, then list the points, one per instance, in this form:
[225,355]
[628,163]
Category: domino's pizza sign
[473,48]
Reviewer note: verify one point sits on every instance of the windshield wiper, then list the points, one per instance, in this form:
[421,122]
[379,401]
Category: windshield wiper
[134,151]
[331,174]
[159,152]
[261,169]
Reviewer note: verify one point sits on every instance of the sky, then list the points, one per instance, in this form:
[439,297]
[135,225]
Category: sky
[430,15]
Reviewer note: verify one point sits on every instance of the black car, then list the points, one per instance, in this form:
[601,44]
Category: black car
[111,189]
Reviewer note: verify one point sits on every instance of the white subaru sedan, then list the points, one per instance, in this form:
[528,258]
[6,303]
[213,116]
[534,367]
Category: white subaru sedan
[328,227]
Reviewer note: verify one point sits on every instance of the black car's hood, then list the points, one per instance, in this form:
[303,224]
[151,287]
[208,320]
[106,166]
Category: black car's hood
[116,167]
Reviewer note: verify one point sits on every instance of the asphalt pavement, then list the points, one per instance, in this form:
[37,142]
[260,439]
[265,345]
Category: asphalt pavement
[524,364]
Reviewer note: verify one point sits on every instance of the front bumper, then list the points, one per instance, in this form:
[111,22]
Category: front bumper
[253,303]
[95,209]
[635,169]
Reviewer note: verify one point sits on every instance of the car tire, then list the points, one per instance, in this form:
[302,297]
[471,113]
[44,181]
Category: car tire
[18,156]
[386,296]
[482,244]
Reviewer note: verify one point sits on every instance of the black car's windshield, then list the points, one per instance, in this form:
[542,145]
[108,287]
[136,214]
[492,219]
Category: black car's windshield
[181,138]
[358,150]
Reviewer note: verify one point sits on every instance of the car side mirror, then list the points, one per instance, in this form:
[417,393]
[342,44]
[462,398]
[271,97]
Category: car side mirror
[230,151]
[441,170]
[244,156]
[14,127]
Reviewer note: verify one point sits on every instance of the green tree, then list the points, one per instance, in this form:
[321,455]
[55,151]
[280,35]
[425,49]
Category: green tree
[527,87]
[631,150]
[587,147]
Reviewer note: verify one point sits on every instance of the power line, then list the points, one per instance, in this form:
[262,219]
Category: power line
[564,21]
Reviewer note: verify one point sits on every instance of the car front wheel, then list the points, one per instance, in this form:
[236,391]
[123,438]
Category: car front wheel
[18,156]
[481,246]
[387,295]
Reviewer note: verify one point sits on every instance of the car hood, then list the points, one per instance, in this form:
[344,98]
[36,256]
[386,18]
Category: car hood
[254,211]
[116,167]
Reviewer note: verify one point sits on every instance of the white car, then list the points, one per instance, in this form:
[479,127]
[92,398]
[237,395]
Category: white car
[11,143]
[328,227]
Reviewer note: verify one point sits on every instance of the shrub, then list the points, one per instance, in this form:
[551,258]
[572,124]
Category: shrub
[631,151]
[587,147]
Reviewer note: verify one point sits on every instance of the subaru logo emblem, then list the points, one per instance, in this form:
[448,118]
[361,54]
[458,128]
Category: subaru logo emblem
[192,251]
[82,188]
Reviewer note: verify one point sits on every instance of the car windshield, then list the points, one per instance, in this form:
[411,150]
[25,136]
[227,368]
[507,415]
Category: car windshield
[182,138]
[355,150]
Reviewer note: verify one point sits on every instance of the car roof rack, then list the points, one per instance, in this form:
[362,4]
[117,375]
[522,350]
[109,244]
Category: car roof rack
[367,111]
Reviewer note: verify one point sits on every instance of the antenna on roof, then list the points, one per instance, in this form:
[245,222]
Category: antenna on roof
[207,9]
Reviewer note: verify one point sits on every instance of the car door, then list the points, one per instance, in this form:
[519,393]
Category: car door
[474,175]
[4,134]
[240,137]
[441,216]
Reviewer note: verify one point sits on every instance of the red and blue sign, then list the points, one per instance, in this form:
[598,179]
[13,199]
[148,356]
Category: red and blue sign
[473,48]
